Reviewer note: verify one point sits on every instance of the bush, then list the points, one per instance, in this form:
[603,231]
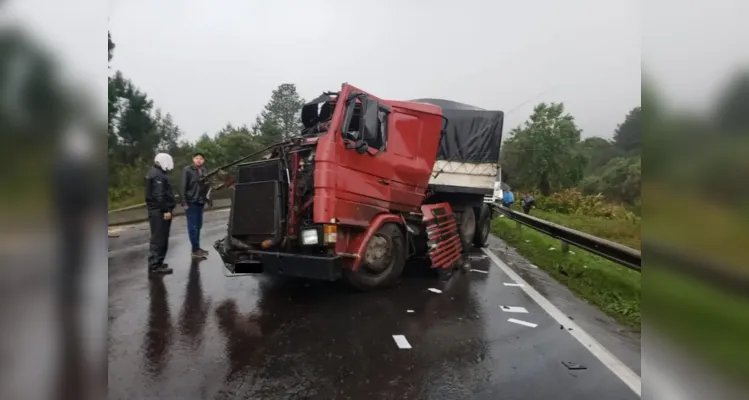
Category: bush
[572,201]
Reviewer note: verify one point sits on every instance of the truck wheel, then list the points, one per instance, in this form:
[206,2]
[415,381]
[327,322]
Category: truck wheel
[484,216]
[384,259]
[467,227]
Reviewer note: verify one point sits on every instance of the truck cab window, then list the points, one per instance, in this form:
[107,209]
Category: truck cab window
[352,131]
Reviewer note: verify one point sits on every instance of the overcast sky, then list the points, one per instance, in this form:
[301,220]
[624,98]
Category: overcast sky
[213,62]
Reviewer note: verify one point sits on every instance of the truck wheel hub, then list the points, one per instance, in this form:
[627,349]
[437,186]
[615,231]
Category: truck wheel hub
[377,255]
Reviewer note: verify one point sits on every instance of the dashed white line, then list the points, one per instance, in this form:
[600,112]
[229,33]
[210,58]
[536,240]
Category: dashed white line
[627,376]
[401,341]
[519,322]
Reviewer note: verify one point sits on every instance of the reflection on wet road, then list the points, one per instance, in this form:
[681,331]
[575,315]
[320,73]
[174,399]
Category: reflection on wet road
[197,334]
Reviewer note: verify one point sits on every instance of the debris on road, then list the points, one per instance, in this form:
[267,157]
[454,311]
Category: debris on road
[479,270]
[571,252]
[435,290]
[573,366]
[514,284]
[477,257]
[401,341]
[512,309]
[519,322]
[533,266]
[409,311]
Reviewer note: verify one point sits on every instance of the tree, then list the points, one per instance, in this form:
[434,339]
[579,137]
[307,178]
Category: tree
[543,153]
[281,116]
[597,152]
[111,46]
[619,180]
[628,134]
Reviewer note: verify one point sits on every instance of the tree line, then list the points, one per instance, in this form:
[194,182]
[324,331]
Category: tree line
[137,130]
[547,154]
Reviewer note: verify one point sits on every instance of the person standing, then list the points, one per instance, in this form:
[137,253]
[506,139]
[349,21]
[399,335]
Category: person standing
[508,197]
[527,202]
[193,193]
[160,204]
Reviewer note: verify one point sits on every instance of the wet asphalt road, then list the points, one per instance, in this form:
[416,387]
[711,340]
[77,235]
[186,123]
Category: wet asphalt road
[197,334]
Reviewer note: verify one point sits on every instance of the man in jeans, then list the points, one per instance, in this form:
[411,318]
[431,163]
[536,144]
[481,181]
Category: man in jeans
[193,194]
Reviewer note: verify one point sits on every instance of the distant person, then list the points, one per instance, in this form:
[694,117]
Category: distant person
[508,198]
[527,202]
[194,198]
[160,203]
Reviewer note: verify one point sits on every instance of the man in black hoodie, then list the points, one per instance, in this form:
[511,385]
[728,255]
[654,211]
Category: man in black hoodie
[160,203]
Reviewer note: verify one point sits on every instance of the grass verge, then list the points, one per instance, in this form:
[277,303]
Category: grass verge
[609,286]
[625,232]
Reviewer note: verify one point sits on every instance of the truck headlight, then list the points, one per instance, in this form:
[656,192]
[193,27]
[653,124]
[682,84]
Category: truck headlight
[309,236]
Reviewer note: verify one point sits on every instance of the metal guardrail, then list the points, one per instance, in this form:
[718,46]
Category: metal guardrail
[615,252]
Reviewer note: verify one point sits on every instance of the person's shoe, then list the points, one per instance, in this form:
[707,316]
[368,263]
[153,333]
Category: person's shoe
[160,270]
[205,252]
[198,255]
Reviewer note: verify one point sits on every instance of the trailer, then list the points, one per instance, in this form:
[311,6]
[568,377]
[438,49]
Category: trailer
[365,186]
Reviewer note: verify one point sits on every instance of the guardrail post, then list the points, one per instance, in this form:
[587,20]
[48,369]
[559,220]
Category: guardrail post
[518,225]
[565,247]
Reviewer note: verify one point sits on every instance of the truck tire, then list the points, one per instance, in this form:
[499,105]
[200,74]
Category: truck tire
[484,225]
[467,227]
[384,260]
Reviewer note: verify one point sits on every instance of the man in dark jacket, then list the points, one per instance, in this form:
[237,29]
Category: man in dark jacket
[194,198]
[528,202]
[160,203]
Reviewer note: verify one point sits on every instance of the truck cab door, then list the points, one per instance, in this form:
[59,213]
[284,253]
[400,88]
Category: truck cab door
[364,170]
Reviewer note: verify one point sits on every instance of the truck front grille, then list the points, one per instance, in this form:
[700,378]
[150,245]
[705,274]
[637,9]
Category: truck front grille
[257,211]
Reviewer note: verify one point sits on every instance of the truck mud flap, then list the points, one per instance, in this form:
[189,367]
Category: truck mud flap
[444,246]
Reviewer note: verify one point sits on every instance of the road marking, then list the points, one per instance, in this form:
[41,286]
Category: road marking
[401,341]
[627,376]
[435,290]
[511,309]
[514,284]
[519,322]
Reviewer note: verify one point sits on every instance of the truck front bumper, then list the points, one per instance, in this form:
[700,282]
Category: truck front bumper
[274,263]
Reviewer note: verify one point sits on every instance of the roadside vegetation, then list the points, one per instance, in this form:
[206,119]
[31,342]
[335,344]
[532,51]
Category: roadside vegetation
[614,289]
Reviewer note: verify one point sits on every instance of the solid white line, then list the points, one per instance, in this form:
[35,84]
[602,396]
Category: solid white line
[519,322]
[514,284]
[512,309]
[627,376]
[401,341]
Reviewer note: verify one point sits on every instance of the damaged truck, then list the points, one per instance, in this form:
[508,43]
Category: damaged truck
[366,185]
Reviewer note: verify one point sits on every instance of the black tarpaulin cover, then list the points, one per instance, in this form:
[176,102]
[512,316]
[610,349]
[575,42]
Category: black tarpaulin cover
[473,134]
